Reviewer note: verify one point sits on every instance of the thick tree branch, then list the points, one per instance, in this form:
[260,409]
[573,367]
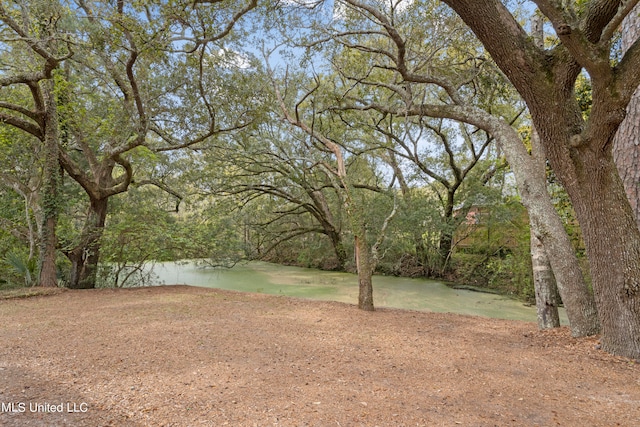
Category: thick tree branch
[24,125]
[79,175]
[614,24]
[23,78]
[627,72]
[21,110]
[509,44]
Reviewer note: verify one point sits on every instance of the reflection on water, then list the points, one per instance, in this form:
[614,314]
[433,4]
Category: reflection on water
[397,292]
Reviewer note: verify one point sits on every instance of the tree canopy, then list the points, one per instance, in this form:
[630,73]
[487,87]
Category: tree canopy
[402,137]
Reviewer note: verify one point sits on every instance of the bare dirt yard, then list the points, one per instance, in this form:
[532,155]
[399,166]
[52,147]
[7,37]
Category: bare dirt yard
[186,356]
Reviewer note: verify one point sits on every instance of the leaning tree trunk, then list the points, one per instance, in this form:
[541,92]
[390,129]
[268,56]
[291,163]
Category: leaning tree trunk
[547,298]
[544,282]
[626,148]
[549,229]
[85,256]
[578,301]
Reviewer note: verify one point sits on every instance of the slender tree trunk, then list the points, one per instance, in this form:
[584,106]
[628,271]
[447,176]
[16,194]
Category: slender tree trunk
[50,191]
[422,254]
[544,282]
[365,273]
[86,255]
[444,248]
[547,298]
[578,300]
[445,245]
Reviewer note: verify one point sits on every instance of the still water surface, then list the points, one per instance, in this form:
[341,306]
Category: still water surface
[396,292]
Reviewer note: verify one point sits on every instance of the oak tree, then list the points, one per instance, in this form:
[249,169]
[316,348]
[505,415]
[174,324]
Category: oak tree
[579,149]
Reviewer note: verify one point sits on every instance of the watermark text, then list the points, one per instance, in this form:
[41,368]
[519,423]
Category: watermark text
[44,407]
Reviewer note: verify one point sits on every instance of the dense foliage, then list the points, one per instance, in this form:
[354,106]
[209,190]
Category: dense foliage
[217,174]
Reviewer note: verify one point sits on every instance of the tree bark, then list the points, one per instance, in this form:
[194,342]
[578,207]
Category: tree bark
[547,298]
[545,285]
[85,256]
[613,245]
[544,282]
[585,167]
[365,273]
[50,193]
[626,146]
[548,228]
[99,186]
[579,150]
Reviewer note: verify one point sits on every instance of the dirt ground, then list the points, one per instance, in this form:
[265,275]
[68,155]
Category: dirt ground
[186,356]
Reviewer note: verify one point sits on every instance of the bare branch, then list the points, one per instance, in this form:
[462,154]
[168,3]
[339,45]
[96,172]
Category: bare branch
[232,22]
[162,186]
[400,57]
[375,249]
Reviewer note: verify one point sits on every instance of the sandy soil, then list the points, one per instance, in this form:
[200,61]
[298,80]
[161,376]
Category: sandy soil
[184,356]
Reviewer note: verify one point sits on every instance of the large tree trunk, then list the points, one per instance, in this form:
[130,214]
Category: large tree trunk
[85,256]
[50,193]
[612,241]
[626,152]
[586,169]
[547,298]
[548,227]
[48,276]
[584,165]
[339,250]
[626,148]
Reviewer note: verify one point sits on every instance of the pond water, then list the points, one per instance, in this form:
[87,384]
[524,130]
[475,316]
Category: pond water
[396,292]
